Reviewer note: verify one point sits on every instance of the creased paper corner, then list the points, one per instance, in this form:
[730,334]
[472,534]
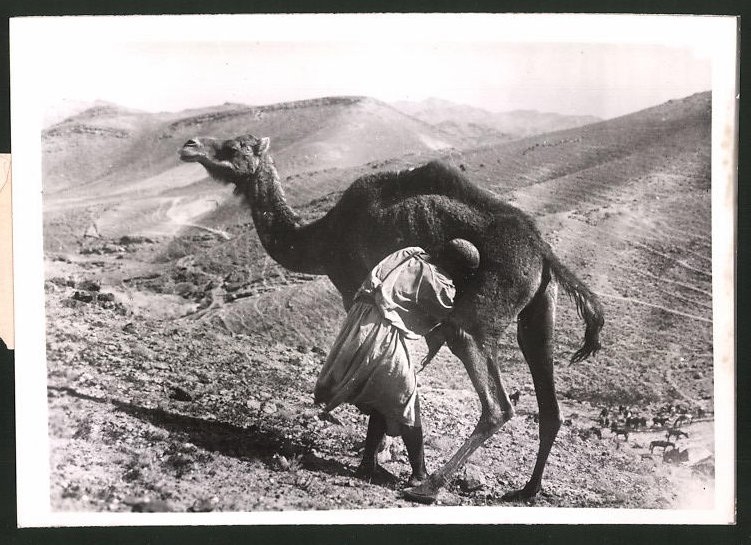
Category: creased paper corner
[6,253]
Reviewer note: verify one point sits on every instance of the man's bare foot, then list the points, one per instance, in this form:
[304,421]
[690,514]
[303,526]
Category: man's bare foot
[375,474]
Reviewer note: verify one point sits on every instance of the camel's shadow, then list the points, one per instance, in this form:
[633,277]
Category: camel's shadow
[252,442]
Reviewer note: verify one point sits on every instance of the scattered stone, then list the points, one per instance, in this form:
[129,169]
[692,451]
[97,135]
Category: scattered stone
[129,328]
[149,506]
[106,297]
[253,405]
[91,231]
[63,282]
[178,394]
[204,505]
[269,408]
[103,249]
[134,239]
[83,296]
[385,454]
[281,462]
[471,480]
[328,417]
[186,289]
[448,499]
[88,285]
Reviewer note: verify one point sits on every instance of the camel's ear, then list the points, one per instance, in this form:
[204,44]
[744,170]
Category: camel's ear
[263,145]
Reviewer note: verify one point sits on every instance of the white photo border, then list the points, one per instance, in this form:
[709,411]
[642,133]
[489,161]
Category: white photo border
[716,36]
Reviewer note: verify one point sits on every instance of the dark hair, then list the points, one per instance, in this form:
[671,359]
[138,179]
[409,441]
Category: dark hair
[459,259]
[459,255]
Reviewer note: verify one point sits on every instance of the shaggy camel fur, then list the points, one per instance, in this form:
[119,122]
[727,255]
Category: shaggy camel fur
[518,277]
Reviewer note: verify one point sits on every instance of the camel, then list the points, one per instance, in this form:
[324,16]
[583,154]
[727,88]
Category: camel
[660,421]
[677,433]
[518,277]
[682,419]
[619,431]
[664,445]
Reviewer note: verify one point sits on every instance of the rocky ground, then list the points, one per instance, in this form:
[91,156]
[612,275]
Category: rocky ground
[150,411]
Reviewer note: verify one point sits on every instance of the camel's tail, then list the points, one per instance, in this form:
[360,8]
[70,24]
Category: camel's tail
[587,305]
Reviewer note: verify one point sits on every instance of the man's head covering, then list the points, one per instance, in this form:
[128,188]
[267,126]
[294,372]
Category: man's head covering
[460,254]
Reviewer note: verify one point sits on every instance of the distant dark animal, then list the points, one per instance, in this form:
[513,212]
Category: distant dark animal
[515,397]
[663,444]
[589,432]
[674,432]
[660,420]
[635,422]
[518,279]
[619,431]
[604,418]
[682,419]
[675,456]
[700,413]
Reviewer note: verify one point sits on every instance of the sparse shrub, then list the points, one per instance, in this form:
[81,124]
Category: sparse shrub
[83,296]
[72,490]
[88,285]
[291,464]
[83,431]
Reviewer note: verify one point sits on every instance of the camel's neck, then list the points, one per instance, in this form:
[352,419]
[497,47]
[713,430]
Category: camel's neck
[289,243]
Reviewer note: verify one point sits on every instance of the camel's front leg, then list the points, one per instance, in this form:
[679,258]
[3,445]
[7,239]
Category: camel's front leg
[496,410]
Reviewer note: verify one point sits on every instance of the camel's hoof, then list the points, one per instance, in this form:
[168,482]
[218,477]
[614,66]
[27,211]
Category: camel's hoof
[520,495]
[420,494]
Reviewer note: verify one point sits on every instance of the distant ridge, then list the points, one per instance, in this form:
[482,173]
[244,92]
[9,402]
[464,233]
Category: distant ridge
[108,146]
[478,122]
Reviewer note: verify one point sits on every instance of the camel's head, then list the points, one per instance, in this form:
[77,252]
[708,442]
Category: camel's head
[230,161]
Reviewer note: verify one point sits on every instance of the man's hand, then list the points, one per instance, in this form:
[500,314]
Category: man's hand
[435,339]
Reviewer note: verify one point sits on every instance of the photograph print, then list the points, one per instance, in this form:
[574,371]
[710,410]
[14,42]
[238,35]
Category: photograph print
[327,268]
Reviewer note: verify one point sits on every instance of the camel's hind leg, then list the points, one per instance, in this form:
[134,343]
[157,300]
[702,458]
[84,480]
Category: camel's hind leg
[479,362]
[535,332]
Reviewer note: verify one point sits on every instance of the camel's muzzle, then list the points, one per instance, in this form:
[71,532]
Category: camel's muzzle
[190,150]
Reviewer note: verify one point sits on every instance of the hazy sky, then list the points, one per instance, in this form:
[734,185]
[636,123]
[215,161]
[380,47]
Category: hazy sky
[156,65]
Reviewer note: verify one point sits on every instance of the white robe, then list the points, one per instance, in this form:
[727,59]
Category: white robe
[404,296]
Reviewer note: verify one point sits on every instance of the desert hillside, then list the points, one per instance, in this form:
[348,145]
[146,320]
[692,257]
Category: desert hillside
[174,340]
